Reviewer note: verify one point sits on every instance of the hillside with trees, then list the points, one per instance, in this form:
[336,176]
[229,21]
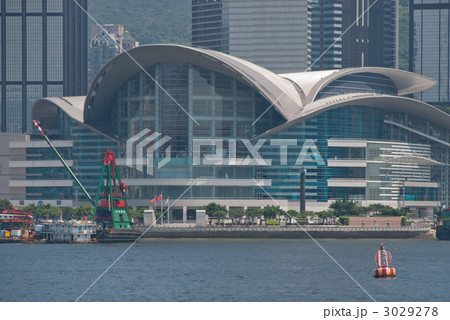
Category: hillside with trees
[149,21]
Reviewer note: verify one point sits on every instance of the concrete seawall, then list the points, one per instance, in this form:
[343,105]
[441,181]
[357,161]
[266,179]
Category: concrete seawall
[318,232]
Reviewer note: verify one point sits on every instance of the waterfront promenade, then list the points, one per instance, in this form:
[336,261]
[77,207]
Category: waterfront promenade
[288,232]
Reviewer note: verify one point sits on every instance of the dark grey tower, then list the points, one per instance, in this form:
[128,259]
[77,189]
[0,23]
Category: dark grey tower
[75,48]
[429,47]
[271,34]
[43,54]
[367,27]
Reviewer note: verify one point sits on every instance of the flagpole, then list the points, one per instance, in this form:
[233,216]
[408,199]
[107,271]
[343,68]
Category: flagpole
[162,206]
[168,213]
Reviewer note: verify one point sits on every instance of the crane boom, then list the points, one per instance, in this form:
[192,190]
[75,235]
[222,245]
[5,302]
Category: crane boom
[37,125]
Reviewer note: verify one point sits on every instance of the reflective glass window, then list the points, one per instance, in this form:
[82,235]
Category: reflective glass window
[54,5]
[13,6]
[34,6]
[54,48]
[14,49]
[14,108]
[34,49]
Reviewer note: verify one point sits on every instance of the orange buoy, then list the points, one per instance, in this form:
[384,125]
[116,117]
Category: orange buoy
[384,272]
[383,259]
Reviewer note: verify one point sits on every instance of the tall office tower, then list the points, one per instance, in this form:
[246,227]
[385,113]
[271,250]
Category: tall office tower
[353,33]
[107,41]
[429,47]
[43,54]
[325,29]
[272,34]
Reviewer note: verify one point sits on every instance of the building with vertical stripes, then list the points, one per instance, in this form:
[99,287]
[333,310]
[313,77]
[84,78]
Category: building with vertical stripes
[43,54]
[353,33]
[429,47]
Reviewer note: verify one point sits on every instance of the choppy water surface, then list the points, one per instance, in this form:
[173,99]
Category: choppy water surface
[223,270]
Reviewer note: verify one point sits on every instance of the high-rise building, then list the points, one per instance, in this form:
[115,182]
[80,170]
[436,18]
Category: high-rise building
[106,42]
[429,47]
[367,27]
[325,29]
[272,34]
[43,54]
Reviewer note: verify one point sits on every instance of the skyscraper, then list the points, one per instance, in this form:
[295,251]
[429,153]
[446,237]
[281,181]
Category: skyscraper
[368,30]
[43,53]
[106,42]
[272,34]
[429,47]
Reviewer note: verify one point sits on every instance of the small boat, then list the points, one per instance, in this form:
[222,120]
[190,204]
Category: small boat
[383,259]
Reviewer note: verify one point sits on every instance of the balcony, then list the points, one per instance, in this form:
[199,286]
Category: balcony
[347,163]
[347,182]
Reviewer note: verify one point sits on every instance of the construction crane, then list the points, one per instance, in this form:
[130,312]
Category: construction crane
[110,208]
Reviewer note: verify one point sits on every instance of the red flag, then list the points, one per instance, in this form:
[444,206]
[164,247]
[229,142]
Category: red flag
[159,197]
[153,200]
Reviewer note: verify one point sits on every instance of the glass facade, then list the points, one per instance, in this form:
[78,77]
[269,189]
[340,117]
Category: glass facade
[430,47]
[347,33]
[271,34]
[325,30]
[33,57]
[361,82]
[225,110]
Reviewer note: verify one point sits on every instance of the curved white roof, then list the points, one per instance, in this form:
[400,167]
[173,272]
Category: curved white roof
[117,71]
[292,95]
[313,82]
[386,102]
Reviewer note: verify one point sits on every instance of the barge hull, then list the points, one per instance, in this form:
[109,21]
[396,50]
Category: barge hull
[443,232]
[117,235]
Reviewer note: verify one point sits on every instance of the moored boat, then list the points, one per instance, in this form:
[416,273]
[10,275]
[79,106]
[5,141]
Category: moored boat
[443,228]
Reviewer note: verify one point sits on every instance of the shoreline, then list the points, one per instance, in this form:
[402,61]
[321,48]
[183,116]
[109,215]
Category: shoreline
[290,232]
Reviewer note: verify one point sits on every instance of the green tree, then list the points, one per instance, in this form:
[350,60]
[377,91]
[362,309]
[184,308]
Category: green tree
[149,21]
[344,207]
[84,211]
[212,208]
[384,210]
[4,204]
[292,213]
[253,213]
[324,214]
[343,220]
[220,214]
[303,215]
[270,212]
[31,208]
[375,208]
[236,212]
[138,214]
[68,213]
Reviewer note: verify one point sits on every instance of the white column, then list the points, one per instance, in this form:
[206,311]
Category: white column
[184,214]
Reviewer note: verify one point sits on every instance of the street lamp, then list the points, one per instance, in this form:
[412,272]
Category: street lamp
[302,190]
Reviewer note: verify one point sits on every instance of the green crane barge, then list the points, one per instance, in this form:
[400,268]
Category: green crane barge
[443,229]
[110,207]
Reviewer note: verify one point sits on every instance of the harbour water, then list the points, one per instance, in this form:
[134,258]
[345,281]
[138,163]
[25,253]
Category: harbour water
[224,270]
